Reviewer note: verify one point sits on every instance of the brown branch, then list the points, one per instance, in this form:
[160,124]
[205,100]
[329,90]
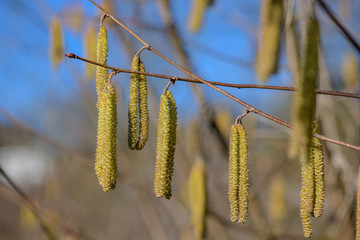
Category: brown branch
[255,110]
[223,84]
[45,227]
[341,26]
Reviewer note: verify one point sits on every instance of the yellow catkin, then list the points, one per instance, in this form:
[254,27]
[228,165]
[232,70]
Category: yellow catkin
[90,49]
[133,104]
[307,193]
[358,208]
[318,159]
[197,198]
[143,110]
[350,71]
[105,164]
[196,16]
[74,16]
[304,103]
[165,147]
[56,46]
[138,107]
[277,202]
[101,55]
[234,167]
[306,223]
[243,175]
[268,50]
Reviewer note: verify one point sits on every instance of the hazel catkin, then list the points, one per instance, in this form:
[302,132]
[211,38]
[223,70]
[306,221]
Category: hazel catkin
[197,198]
[318,159]
[304,103]
[56,47]
[243,175]
[268,51]
[165,147]
[138,108]
[234,167]
[101,57]
[143,110]
[105,164]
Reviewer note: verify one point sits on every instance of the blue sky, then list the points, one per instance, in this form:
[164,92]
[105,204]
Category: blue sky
[30,86]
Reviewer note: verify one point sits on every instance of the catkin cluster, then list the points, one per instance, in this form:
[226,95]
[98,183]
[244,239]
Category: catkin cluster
[105,162]
[138,132]
[165,148]
[238,174]
[313,184]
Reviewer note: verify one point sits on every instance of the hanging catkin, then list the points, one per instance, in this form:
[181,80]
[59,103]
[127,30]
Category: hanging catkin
[318,159]
[244,175]
[105,164]
[143,110]
[101,55]
[197,12]
[165,147]
[234,167]
[238,174]
[304,103]
[268,51]
[56,47]
[90,49]
[307,193]
[138,107]
[197,198]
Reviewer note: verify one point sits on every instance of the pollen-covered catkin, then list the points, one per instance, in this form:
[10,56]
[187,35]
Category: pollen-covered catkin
[197,198]
[165,147]
[138,108]
[306,223]
[143,110]
[105,164]
[268,51]
[133,103]
[318,159]
[304,103]
[234,167]
[307,193]
[101,55]
[244,175]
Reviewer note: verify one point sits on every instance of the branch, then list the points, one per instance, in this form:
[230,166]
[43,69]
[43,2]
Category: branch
[248,106]
[45,227]
[341,26]
[231,85]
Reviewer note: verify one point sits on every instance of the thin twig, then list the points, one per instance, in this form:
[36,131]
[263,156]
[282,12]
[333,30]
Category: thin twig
[45,227]
[231,85]
[258,111]
[341,26]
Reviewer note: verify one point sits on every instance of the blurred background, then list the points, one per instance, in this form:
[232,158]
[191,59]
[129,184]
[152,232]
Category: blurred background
[48,121]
